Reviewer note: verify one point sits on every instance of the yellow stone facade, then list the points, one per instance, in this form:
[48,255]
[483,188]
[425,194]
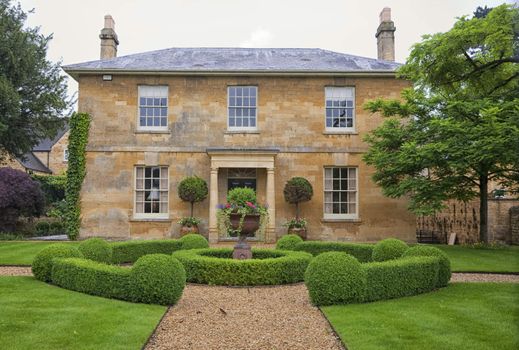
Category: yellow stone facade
[290,119]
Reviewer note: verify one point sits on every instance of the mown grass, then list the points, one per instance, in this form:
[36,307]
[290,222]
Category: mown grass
[35,315]
[22,252]
[461,316]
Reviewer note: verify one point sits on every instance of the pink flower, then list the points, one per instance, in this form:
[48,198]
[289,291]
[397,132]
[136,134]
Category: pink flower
[227,205]
[250,205]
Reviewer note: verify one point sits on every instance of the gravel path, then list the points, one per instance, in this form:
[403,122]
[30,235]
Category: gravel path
[15,271]
[210,317]
[484,277]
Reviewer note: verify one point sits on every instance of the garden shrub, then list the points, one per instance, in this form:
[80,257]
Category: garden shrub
[335,278]
[157,279]
[401,277]
[42,263]
[130,251]
[96,249]
[42,228]
[388,249]
[53,187]
[268,267]
[288,242]
[92,277]
[194,241]
[192,189]
[239,196]
[444,273]
[359,250]
[297,190]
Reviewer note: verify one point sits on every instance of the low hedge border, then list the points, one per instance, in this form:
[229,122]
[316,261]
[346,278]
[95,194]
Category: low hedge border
[268,267]
[361,251]
[154,279]
[130,251]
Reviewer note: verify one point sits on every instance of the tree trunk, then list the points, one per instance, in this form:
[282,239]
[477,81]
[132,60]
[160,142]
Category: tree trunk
[483,209]
[192,204]
[297,211]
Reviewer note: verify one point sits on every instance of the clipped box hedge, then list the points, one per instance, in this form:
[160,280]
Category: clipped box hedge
[267,267]
[401,277]
[130,251]
[361,251]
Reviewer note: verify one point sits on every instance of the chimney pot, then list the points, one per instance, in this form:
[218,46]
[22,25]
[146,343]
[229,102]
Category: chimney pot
[386,36]
[109,40]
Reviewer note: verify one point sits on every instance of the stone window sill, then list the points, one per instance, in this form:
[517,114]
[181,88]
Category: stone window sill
[233,132]
[327,132]
[150,219]
[152,131]
[357,220]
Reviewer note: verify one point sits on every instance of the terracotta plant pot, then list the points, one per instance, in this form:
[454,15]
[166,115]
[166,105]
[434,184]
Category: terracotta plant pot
[301,232]
[251,223]
[184,230]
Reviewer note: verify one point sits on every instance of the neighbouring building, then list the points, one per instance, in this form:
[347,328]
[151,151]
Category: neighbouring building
[236,117]
[49,156]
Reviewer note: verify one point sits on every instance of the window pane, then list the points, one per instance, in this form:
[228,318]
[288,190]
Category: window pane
[328,173]
[253,101]
[336,185]
[142,121]
[156,121]
[147,172]
[344,173]
[336,208]
[163,196]
[149,101]
[252,112]
[164,111]
[352,184]
[352,208]
[156,172]
[352,172]
[238,121]
[328,208]
[336,196]
[163,207]
[253,122]
[328,197]
[147,207]
[163,122]
[163,101]
[231,122]
[142,111]
[232,92]
[142,101]
[336,173]
[156,101]
[232,112]
[245,121]
[139,207]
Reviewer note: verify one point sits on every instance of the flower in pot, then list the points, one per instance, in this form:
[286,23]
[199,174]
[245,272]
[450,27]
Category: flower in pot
[297,190]
[188,225]
[297,227]
[192,189]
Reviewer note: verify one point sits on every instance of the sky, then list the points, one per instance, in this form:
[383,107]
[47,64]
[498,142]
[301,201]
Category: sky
[346,26]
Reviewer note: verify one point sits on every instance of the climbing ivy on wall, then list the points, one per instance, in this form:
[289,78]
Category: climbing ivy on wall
[78,138]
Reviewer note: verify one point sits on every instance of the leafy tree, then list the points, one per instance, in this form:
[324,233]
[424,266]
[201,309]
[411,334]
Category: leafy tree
[297,190]
[458,128]
[19,195]
[192,189]
[32,90]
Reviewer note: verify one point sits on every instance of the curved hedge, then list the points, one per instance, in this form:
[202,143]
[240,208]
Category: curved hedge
[43,261]
[444,272]
[335,278]
[267,267]
[361,251]
[130,251]
[388,249]
[193,241]
[96,249]
[288,242]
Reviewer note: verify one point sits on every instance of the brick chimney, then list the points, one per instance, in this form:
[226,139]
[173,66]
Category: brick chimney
[386,36]
[109,39]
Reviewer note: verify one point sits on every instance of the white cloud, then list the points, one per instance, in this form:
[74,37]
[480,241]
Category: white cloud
[258,38]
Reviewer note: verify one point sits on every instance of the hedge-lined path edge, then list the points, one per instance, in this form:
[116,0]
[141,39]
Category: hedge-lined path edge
[217,317]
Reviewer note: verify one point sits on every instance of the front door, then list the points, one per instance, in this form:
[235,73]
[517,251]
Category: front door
[234,183]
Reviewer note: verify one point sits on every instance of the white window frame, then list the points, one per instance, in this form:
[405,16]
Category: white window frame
[149,215]
[333,216]
[339,129]
[65,155]
[163,94]
[242,128]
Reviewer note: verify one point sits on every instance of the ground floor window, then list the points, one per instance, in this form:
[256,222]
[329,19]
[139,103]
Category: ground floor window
[151,192]
[340,193]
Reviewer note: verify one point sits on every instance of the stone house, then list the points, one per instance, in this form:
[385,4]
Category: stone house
[235,117]
[49,156]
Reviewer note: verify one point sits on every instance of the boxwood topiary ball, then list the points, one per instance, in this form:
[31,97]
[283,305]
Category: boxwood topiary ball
[157,279]
[42,263]
[444,274]
[96,249]
[389,249]
[335,278]
[288,242]
[194,241]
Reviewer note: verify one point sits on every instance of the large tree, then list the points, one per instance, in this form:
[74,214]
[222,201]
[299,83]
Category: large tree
[32,91]
[457,128]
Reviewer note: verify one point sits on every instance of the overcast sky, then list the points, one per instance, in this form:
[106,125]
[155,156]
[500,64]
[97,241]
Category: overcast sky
[346,26]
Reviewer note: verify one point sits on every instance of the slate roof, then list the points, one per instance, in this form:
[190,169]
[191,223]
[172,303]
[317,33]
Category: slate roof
[46,144]
[259,60]
[31,162]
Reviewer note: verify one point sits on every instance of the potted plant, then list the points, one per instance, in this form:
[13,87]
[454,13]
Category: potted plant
[297,190]
[244,215]
[192,189]
[188,225]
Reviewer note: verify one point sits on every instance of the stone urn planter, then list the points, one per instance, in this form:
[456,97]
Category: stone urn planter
[300,231]
[251,223]
[185,230]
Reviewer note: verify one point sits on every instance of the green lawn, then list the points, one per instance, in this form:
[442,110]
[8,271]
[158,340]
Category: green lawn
[35,315]
[21,252]
[466,259]
[461,316]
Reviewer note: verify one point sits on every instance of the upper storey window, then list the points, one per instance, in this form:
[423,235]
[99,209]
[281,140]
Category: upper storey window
[242,107]
[340,108]
[153,107]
